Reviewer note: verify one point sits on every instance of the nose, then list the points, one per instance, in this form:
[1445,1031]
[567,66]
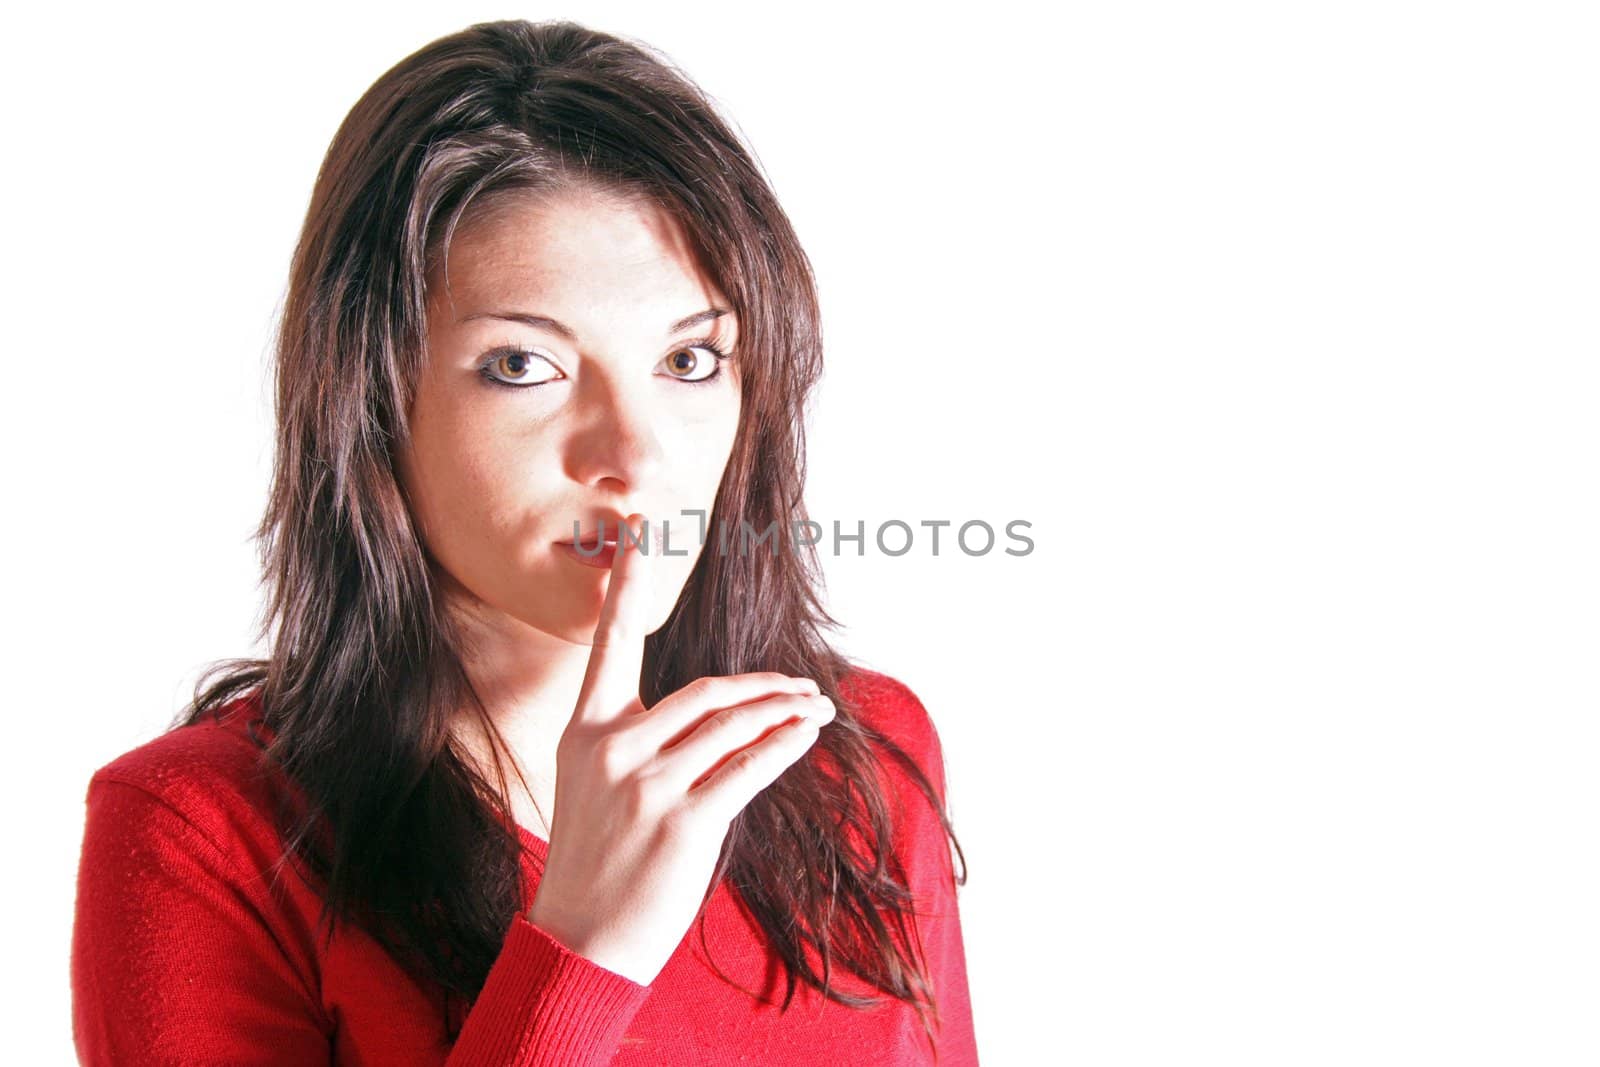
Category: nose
[617,447]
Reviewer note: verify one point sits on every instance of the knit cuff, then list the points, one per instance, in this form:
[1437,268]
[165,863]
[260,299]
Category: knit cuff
[543,1004]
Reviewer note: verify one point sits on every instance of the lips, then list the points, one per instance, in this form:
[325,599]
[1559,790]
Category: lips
[591,542]
[609,526]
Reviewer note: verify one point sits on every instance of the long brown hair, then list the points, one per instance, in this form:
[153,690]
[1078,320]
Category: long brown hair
[364,658]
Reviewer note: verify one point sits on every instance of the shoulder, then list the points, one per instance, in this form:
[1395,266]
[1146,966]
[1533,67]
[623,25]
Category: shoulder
[209,773]
[893,710]
[888,705]
[889,708]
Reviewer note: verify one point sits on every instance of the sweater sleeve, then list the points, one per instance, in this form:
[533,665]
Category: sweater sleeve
[544,1005]
[171,962]
[174,963]
[931,872]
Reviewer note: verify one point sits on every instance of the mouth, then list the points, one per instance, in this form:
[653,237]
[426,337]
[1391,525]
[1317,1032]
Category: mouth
[606,525]
[593,553]
[592,543]
[598,545]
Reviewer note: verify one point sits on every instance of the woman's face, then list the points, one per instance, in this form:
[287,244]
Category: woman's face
[594,314]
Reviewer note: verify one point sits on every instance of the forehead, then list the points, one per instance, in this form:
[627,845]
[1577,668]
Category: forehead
[571,242]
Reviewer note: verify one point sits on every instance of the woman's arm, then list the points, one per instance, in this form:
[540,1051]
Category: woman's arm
[173,962]
[544,1004]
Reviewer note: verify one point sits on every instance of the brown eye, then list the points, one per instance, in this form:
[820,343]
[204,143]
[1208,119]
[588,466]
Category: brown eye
[694,363]
[516,366]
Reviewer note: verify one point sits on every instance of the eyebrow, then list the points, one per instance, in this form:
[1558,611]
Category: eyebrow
[556,326]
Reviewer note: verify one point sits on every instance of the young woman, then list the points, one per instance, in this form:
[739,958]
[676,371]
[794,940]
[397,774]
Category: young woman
[550,762]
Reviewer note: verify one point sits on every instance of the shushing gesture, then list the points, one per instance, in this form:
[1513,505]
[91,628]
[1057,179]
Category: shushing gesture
[645,796]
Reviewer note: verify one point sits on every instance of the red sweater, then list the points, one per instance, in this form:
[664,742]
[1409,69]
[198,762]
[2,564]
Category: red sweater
[183,951]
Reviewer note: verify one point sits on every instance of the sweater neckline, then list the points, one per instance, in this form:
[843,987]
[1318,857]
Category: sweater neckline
[533,842]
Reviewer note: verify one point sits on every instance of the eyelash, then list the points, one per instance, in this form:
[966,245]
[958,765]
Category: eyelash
[710,344]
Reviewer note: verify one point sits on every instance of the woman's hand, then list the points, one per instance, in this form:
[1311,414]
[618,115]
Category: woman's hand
[644,797]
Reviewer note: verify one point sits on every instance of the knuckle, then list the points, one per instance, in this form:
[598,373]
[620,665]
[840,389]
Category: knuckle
[649,785]
[702,689]
[639,794]
[803,706]
[761,713]
[678,822]
[611,756]
[744,713]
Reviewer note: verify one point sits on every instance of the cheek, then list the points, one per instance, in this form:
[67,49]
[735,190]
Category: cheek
[483,499]
[709,439]
[701,479]
[698,458]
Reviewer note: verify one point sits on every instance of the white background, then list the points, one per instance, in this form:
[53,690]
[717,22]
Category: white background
[1276,321]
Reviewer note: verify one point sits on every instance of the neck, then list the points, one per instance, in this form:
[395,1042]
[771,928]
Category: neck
[529,682]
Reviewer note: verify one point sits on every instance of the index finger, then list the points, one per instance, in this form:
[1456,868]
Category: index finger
[611,683]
